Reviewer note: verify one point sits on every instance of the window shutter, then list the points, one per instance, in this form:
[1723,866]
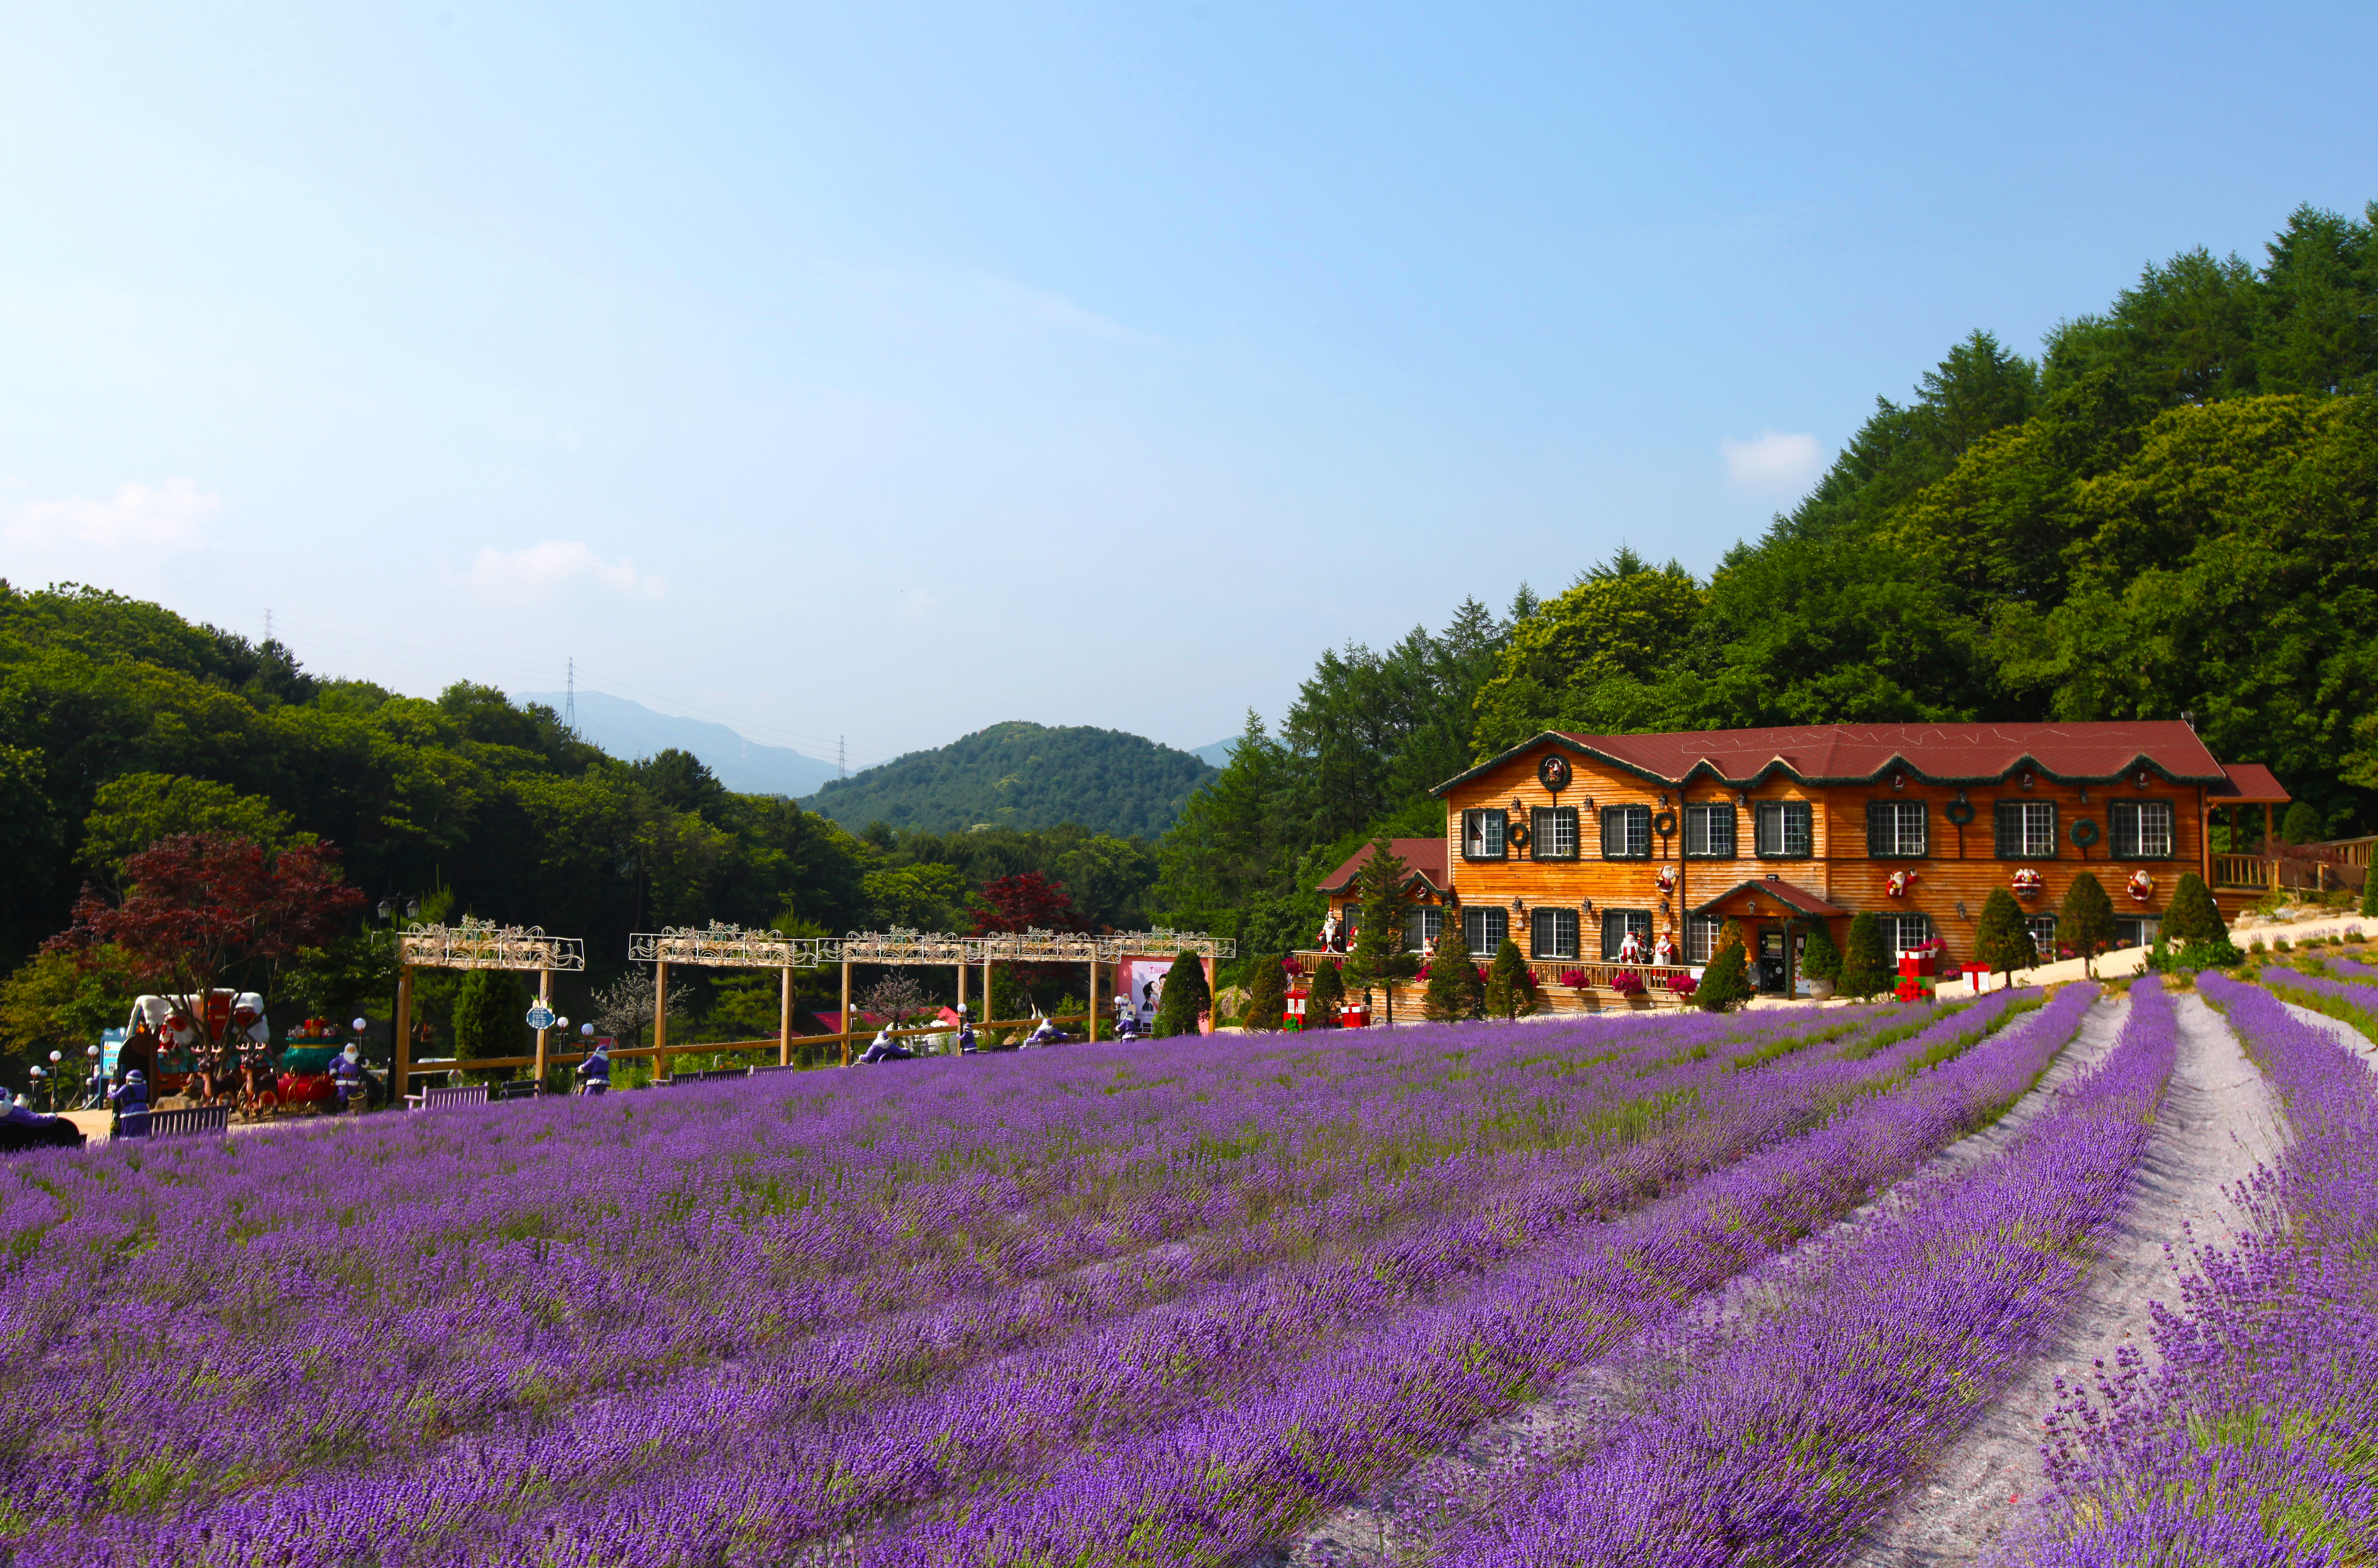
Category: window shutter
[2007,815]
[1540,933]
[1879,839]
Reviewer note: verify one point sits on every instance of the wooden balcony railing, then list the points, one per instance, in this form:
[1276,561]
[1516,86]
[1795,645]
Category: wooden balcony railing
[2244,873]
[1593,974]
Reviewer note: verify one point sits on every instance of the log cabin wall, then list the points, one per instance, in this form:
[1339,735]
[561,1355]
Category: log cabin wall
[1959,865]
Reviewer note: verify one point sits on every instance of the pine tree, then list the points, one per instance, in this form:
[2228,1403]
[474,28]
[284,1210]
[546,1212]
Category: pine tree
[1379,960]
[1185,995]
[1511,986]
[1866,968]
[490,1019]
[2192,916]
[1453,988]
[1820,960]
[2086,921]
[2004,941]
[1326,995]
[1726,981]
[2302,824]
[1267,997]
[2368,894]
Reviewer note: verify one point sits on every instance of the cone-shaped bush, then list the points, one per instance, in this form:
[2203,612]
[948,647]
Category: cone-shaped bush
[1511,986]
[1267,997]
[1820,960]
[1185,995]
[1328,993]
[2302,824]
[2003,940]
[490,1019]
[1866,968]
[1725,984]
[2192,916]
[1453,990]
[2368,894]
[2085,924]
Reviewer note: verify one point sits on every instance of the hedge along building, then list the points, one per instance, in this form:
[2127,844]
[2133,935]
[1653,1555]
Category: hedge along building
[1570,842]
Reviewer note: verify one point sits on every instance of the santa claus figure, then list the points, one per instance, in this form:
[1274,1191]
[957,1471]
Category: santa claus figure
[1630,950]
[1329,933]
[1663,951]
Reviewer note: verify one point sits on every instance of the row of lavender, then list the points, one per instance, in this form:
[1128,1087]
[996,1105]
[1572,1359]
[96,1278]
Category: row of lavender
[2253,1441]
[185,1320]
[831,1430]
[1779,1435]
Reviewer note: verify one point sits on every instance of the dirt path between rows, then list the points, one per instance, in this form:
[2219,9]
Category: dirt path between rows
[2219,1121]
[1498,1459]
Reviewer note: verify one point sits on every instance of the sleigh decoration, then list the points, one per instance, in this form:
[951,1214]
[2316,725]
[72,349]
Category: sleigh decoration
[2027,883]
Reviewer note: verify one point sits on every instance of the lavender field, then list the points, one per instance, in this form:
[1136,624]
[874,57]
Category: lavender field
[1128,1304]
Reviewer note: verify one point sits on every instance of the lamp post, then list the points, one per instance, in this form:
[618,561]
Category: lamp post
[42,1079]
[90,1079]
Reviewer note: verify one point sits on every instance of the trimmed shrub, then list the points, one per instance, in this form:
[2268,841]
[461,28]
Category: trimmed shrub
[2085,924]
[1453,991]
[1866,968]
[1511,985]
[490,1019]
[1267,997]
[1725,984]
[1328,994]
[1820,960]
[1185,995]
[2302,824]
[2192,917]
[2004,941]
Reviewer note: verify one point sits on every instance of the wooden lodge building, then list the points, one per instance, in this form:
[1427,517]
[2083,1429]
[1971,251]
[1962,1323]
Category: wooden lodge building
[1569,842]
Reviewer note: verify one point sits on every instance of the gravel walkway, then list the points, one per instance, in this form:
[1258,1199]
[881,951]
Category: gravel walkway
[2218,1122]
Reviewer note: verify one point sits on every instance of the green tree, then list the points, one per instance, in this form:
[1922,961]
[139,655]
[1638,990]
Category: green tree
[1726,982]
[1510,984]
[1378,959]
[2192,917]
[1267,996]
[130,813]
[62,1002]
[1581,656]
[2001,940]
[1866,968]
[1325,996]
[1454,992]
[2368,894]
[1186,995]
[2302,824]
[490,1020]
[2086,921]
[1820,960]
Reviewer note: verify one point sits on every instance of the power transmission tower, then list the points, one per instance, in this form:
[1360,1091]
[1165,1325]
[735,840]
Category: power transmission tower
[570,699]
[841,759]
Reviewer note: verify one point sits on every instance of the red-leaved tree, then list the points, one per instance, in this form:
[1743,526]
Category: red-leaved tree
[1027,902]
[198,906]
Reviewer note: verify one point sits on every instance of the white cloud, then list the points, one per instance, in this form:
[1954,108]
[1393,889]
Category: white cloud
[144,517]
[511,576]
[1773,463]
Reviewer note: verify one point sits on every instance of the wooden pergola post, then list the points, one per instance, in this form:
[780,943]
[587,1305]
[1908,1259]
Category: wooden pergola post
[660,1021]
[846,1012]
[401,1073]
[1214,1000]
[962,980]
[1093,1009]
[544,1001]
[784,1020]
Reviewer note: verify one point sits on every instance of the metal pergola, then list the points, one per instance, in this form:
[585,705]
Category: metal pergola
[477,944]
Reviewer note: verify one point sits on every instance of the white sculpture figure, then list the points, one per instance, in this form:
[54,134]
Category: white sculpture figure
[1663,951]
[1329,933]
[1631,949]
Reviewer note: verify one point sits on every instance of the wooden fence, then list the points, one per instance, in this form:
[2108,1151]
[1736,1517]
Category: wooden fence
[629,1053]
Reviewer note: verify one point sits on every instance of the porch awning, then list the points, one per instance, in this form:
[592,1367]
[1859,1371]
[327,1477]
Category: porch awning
[1770,895]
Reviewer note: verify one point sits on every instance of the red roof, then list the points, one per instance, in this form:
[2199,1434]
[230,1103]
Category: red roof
[1424,855]
[2250,781]
[1781,891]
[2076,753]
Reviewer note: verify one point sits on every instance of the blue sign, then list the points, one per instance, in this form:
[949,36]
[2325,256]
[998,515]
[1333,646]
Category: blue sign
[540,1017]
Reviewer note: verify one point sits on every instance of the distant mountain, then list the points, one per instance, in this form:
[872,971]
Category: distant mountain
[1023,775]
[629,730]
[1218,754]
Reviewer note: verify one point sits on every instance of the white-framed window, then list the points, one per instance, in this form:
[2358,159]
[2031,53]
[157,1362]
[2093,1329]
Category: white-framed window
[1552,933]
[1784,830]
[2143,829]
[2137,930]
[1483,928]
[1553,833]
[1701,932]
[1617,923]
[1422,924]
[1901,932]
[1482,832]
[2026,829]
[1895,830]
[1626,833]
[1709,832]
[2043,934]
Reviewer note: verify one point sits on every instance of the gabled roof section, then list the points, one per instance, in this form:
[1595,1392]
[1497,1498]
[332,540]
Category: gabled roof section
[1781,891]
[1938,754]
[1424,855]
[2250,782]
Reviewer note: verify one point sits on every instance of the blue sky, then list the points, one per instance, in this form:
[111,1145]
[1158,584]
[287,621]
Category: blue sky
[887,370]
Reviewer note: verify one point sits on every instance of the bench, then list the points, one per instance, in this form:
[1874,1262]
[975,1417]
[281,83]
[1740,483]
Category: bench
[518,1089]
[774,1067]
[439,1094]
[185,1121]
[710,1075]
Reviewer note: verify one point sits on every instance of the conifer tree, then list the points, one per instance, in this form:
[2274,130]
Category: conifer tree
[1726,982]
[2086,922]
[1453,988]
[1511,986]
[1325,996]
[1866,968]
[1379,959]
[490,1019]
[2004,941]
[1185,995]
[2192,917]
[1820,960]
[1267,997]
[2368,894]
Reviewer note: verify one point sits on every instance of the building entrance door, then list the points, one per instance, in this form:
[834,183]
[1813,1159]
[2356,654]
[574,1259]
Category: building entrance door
[1771,960]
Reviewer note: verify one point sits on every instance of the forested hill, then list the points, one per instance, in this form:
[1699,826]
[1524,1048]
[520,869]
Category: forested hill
[2172,510]
[1023,775]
